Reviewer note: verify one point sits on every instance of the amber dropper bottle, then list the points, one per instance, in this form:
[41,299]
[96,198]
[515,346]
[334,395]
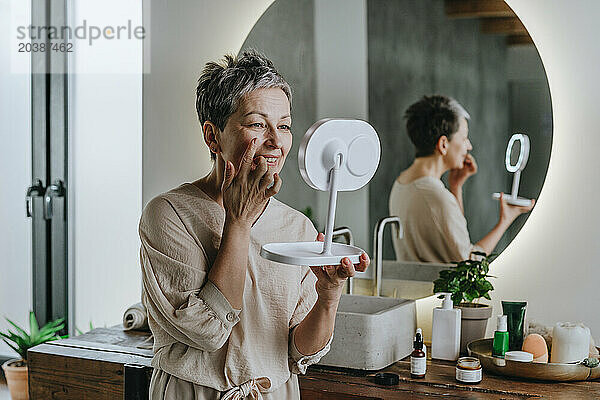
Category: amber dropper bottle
[418,360]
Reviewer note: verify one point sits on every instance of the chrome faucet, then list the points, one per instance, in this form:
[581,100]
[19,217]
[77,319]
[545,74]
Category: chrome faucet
[378,248]
[345,233]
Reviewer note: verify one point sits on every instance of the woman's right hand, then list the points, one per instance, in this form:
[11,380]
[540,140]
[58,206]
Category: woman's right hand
[458,176]
[246,189]
[508,212]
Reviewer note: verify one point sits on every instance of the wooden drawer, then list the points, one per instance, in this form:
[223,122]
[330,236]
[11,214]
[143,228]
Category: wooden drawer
[101,365]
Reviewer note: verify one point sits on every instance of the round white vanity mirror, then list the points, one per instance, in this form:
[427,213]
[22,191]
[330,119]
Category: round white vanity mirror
[334,155]
[515,161]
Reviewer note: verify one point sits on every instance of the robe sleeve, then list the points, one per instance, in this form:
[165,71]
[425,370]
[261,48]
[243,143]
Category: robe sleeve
[178,295]
[297,361]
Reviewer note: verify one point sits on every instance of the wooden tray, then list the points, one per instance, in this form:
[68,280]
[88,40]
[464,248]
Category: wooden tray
[482,349]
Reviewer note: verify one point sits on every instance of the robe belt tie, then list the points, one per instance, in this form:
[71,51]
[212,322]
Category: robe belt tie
[253,387]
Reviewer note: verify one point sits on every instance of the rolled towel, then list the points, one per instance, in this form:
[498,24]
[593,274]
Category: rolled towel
[136,317]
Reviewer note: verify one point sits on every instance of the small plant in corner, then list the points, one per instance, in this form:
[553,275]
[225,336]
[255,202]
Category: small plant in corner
[21,341]
[16,370]
[467,280]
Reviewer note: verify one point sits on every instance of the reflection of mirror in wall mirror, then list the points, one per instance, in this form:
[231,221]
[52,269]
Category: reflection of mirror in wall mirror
[372,59]
[517,154]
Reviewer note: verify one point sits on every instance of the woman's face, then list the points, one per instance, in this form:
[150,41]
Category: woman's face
[263,114]
[459,145]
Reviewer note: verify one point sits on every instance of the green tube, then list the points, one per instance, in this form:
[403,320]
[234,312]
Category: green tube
[515,312]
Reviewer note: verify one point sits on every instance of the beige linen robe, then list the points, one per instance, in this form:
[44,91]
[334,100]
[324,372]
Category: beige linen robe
[435,229]
[204,347]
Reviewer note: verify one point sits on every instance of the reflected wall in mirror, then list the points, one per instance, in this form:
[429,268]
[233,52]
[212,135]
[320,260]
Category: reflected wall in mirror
[371,59]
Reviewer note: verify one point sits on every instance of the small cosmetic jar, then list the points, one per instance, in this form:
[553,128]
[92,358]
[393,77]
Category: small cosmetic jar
[468,370]
[521,356]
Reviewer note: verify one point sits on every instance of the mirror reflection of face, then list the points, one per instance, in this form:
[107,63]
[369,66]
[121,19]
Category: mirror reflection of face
[459,145]
[515,152]
[263,114]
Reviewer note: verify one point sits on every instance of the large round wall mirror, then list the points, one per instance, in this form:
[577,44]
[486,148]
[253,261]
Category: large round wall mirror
[372,59]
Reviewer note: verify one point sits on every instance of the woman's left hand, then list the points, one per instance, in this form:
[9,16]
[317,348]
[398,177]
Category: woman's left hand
[331,278]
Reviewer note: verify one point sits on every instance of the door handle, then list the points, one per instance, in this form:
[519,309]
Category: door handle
[36,189]
[57,189]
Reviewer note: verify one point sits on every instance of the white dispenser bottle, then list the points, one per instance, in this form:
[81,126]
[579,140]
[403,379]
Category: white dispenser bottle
[445,335]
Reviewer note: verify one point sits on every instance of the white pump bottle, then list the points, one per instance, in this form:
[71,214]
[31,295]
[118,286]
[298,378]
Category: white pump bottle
[445,335]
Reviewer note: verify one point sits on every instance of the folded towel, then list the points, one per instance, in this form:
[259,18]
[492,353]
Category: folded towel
[136,317]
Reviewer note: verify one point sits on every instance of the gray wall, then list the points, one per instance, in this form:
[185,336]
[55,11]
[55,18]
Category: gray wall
[285,34]
[415,50]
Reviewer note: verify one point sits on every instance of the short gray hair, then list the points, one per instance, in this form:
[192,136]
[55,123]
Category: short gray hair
[458,109]
[221,86]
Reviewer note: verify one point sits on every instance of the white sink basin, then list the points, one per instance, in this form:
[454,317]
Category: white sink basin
[371,332]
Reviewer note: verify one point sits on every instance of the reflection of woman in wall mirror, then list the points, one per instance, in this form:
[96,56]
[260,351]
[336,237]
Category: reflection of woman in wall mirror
[226,322]
[435,228]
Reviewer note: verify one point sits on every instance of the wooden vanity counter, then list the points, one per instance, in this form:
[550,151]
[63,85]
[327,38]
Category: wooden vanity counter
[439,383]
[106,364]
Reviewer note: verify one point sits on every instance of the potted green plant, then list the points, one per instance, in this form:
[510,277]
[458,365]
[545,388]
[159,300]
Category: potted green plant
[21,341]
[467,281]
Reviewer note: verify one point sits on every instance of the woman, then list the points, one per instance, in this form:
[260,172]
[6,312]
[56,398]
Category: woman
[226,322]
[435,229]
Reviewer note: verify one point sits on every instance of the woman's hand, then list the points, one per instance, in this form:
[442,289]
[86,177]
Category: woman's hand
[331,278]
[508,212]
[246,191]
[457,177]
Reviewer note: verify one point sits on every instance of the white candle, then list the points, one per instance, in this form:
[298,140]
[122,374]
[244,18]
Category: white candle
[570,342]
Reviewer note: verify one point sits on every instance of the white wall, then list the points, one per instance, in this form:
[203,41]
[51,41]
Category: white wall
[105,166]
[15,174]
[106,136]
[342,92]
[553,262]
[187,34]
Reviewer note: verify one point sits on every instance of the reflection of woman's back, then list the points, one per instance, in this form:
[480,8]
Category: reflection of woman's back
[435,229]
